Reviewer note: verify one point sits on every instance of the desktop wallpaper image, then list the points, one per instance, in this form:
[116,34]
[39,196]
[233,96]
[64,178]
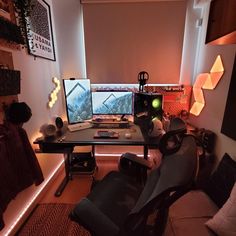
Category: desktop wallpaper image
[78,100]
[112,103]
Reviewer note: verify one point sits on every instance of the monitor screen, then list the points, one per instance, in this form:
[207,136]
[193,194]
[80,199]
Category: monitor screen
[78,100]
[112,102]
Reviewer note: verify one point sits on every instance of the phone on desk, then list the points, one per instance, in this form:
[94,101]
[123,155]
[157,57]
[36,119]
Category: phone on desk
[105,133]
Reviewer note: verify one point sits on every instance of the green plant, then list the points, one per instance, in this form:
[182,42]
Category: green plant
[23,9]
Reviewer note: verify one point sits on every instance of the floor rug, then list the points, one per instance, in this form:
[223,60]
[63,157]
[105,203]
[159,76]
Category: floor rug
[52,219]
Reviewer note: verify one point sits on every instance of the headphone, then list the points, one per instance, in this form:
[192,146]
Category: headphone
[143,77]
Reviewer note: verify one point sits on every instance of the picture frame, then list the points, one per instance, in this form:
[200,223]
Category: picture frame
[40,40]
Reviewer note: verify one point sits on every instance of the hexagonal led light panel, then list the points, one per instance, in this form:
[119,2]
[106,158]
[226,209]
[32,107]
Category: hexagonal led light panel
[206,81]
[216,74]
[53,95]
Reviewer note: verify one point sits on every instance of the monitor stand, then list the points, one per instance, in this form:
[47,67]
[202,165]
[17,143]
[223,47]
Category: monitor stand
[110,123]
[79,126]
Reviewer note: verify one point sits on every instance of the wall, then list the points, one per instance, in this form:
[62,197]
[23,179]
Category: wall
[37,73]
[212,114]
[70,40]
[36,84]
[191,34]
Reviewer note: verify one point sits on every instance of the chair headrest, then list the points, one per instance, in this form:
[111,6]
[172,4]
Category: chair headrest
[177,123]
[171,141]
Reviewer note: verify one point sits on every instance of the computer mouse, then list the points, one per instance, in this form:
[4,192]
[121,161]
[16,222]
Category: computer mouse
[128,135]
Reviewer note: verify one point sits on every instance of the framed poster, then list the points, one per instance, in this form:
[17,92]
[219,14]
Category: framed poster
[39,31]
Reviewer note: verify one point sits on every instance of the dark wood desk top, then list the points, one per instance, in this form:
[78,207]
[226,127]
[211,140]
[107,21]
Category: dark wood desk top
[86,137]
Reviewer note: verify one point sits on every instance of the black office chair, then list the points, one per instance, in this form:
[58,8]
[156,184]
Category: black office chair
[120,205]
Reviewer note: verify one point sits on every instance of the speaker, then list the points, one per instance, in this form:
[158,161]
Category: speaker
[147,106]
[58,122]
[208,140]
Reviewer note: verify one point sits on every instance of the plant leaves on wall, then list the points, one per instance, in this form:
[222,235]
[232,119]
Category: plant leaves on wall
[23,9]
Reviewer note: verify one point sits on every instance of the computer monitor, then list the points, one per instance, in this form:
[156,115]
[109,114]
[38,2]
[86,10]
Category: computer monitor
[78,100]
[112,102]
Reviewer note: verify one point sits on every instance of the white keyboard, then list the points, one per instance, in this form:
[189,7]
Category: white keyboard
[79,126]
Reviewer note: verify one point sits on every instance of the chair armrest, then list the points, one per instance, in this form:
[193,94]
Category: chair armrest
[88,215]
[133,158]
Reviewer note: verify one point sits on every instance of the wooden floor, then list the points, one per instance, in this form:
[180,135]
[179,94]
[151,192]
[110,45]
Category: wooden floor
[79,186]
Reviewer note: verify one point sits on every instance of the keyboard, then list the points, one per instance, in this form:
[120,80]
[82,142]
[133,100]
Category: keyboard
[79,126]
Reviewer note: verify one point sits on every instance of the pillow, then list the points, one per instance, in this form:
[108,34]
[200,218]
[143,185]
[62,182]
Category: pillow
[223,222]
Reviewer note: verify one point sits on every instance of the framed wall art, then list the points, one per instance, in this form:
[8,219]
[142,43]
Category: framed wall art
[39,31]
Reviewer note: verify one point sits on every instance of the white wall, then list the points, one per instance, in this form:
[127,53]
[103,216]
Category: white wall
[70,41]
[190,46]
[212,114]
[37,74]
[36,85]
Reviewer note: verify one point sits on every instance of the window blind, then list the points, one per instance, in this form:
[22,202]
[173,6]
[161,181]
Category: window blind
[122,39]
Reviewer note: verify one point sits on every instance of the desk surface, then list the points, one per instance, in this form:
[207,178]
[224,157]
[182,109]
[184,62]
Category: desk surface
[86,137]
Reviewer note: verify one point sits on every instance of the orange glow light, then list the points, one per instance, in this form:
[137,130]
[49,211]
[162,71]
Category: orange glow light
[198,94]
[216,74]
[197,108]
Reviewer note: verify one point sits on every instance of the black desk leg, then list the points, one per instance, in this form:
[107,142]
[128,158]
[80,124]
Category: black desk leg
[145,152]
[67,177]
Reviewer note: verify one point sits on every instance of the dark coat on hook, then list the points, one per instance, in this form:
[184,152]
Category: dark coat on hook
[19,167]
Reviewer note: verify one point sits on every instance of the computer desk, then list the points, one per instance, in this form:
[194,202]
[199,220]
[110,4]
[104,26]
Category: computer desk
[65,143]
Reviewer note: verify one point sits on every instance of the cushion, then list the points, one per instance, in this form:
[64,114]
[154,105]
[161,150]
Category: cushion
[187,216]
[189,226]
[224,222]
[221,181]
[193,204]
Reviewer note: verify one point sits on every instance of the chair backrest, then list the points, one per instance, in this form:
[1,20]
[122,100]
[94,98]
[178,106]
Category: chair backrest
[170,142]
[165,184]
[177,123]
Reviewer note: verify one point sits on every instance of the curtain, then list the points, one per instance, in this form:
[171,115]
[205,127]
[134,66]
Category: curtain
[122,39]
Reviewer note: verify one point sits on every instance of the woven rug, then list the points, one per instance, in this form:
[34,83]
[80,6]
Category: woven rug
[52,219]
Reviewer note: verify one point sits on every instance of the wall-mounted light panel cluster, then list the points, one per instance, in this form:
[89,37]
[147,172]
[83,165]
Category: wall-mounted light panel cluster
[53,95]
[206,81]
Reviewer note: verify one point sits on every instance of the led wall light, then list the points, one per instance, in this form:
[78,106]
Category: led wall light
[53,95]
[216,74]
[206,81]
[198,94]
